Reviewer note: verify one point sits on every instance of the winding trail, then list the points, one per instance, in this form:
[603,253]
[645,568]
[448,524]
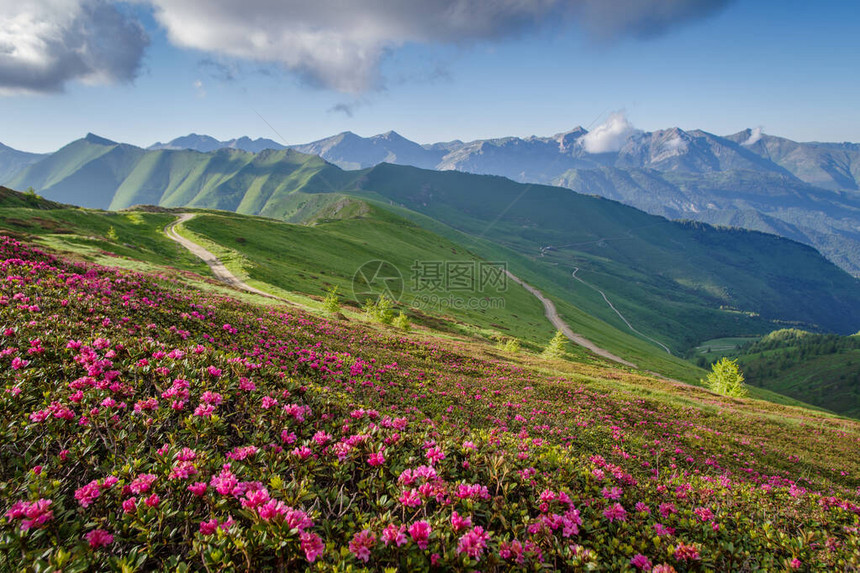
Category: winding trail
[218,269]
[224,275]
[552,314]
[621,316]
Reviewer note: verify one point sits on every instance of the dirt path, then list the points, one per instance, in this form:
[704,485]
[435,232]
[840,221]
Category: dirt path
[218,269]
[555,319]
[621,316]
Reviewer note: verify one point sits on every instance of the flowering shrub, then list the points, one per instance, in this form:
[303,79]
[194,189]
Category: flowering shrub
[149,427]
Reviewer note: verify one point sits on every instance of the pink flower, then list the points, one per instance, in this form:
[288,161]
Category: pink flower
[182,470]
[204,410]
[704,514]
[98,538]
[615,512]
[795,563]
[213,398]
[686,552]
[213,371]
[312,545]
[376,459]
[459,523]
[613,493]
[410,498]
[87,495]
[641,562]
[130,505]
[255,498]
[142,483]
[434,455]
[273,509]
[297,519]
[209,527]
[662,530]
[198,488]
[248,386]
[642,507]
[571,522]
[394,534]
[667,509]
[303,452]
[420,532]
[225,481]
[361,544]
[473,542]
[153,500]
[32,515]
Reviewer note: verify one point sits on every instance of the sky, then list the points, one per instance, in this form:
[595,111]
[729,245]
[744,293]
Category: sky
[436,70]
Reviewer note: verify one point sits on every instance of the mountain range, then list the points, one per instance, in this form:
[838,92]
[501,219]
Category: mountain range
[808,192]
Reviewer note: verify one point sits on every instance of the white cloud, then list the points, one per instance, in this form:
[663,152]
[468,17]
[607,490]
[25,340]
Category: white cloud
[46,43]
[755,135]
[339,44]
[335,44]
[609,136]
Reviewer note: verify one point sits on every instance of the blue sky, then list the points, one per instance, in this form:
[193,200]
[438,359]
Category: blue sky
[790,67]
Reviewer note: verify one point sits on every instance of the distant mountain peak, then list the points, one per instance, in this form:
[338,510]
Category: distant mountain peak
[97,140]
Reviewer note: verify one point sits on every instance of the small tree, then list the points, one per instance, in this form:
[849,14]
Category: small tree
[380,309]
[112,235]
[726,378]
[331,303]
[402,322]
[509,345]
[555,348]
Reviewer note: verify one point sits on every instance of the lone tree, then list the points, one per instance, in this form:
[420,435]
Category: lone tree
[555,348]
[726,378]
[331,303]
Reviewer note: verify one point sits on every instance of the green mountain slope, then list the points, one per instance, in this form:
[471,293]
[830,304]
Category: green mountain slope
[13,162]
[678,282]
[769,202]
[665,283]
[820,369]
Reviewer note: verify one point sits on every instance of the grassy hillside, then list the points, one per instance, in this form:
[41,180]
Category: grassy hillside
[680,283]
[291,260]
[818,369]
[147,426]
[669,283]
[311,259]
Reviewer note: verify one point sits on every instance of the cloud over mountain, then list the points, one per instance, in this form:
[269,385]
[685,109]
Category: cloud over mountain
[610,135]
[46,43]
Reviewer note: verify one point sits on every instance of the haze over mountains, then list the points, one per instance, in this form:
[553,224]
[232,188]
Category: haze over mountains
[808,192]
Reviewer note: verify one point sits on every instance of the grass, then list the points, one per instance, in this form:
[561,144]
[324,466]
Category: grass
[268,252]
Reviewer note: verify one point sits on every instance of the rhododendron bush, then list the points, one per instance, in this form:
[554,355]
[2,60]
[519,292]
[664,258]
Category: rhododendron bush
[147,426]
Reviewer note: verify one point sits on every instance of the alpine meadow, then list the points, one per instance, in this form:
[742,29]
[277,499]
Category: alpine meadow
[274,341]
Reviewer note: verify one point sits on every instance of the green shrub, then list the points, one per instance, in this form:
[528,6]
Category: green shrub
[380,309]
[726,378]
[555,348]
[509,345]
[331,303]
[402,322]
